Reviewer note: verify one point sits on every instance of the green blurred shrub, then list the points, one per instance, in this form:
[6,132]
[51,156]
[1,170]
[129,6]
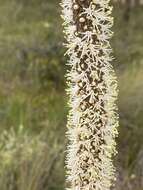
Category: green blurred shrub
[28,162]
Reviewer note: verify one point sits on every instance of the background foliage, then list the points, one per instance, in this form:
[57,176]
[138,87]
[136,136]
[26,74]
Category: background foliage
[33,104]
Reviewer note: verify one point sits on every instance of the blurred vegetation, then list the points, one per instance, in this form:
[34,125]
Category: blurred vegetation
[33,103]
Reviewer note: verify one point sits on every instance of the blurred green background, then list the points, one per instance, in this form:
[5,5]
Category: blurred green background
[33,103]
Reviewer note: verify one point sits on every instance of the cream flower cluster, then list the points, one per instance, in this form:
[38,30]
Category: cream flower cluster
[92,120]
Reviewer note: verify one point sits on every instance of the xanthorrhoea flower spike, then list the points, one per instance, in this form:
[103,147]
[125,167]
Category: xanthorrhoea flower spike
[92,121]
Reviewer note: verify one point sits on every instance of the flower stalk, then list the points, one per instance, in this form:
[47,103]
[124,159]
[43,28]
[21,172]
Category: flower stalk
[92,88]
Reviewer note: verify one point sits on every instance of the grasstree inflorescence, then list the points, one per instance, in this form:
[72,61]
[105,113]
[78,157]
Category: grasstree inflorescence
[92,121]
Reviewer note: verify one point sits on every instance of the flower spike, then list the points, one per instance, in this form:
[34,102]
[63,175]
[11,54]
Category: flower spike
[92,88]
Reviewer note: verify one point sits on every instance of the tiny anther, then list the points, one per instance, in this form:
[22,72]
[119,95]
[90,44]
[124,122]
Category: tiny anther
[85,27]
[98,132]
[81,92]
[76,33]
[92,150]
[76,7]
[93,6]
[86,182]
[82,19]
[82,66]
[80,84]
[83,107]
[91,41]
[93,83]
[79,69]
